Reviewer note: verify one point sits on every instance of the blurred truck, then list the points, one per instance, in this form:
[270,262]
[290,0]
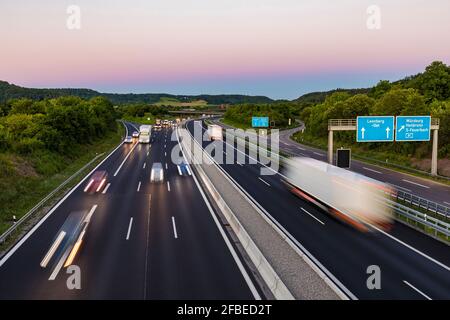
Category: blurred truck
[348,196]
[144,133]
[215,132]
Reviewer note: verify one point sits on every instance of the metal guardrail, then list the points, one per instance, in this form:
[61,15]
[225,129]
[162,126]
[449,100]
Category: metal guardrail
[437,225]
[41,203]
[423,203]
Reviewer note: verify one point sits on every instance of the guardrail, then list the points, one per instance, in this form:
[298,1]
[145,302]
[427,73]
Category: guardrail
[418,217]
[423,203]
[41,203]
[438,226]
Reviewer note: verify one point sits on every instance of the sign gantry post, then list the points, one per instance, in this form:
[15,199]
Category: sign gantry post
[383,129]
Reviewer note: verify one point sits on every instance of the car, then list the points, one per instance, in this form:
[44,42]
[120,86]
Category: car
[135,134]
[157,172]
[128,139]
[183,169]
[97,182]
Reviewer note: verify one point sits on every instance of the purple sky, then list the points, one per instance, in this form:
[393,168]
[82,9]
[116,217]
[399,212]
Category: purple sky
[278,48]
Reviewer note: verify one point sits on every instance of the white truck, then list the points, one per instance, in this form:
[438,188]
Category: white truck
[215,132]
[348,196]
[145,132]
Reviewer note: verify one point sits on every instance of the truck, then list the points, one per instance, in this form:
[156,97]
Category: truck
[348,196]
[145,132]
[215,132]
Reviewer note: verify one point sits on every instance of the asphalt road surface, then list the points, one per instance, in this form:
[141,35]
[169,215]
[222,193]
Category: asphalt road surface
[144,240]
[412,265]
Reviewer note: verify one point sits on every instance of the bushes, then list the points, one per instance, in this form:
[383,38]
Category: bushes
[55,125]
[242,114]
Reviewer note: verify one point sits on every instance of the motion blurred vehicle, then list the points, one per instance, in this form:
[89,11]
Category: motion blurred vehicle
[135,134]
[157,172]
[183,169]
[215,132]
[145,132]
[128,139]
[353,198]
[97,182]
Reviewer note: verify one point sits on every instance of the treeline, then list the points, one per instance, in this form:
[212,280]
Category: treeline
[11,91]
[32,127]
[138,110]
[427,93]
[278,113]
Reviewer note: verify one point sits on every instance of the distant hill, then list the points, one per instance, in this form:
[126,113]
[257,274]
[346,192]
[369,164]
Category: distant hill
[11,91]
[319,96]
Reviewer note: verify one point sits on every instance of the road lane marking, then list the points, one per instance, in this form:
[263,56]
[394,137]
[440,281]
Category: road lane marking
[319,154]
[144,165]
[236,258]
[129,228]
[106,188]
[164,145]
[372,170]
[264,181]
[168,186]
[121,165]
[312,216]
[417,290]
[147,247]
[166,166]
[447,203]
[66,254]
[413,249]
[415,183]
[303,149]
[174,228]
[27,235]
[148,152]
[139,186]
[53,248]
[165,154]
[394,185]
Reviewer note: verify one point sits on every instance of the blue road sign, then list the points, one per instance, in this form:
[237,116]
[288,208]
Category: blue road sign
[412,128]
[375,129]
[260,122]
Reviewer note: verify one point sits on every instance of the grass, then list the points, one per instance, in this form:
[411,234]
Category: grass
[177,103]
[22,192]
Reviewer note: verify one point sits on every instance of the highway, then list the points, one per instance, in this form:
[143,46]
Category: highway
[143,241]
[412,265]
[430,190]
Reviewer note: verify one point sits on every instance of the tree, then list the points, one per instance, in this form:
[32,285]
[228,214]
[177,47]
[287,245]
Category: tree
[401,102]
[434,83]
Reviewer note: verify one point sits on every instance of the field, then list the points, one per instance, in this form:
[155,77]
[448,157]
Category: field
[172,102]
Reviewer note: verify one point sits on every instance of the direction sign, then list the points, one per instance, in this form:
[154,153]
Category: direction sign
[412,128]
[260,122]
[375,129]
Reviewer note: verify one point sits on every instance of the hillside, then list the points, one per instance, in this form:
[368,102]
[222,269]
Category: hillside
[10,91]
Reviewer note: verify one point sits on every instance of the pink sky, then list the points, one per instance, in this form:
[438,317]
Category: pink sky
[171,45]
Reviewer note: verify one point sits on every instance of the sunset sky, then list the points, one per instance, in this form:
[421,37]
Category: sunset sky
[278,48]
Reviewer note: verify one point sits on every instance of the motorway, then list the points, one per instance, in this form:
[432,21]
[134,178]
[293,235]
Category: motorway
[412,265]
[144,240]
[430,190]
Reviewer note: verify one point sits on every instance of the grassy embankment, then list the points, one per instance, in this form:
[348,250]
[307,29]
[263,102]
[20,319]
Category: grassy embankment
[22,187]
